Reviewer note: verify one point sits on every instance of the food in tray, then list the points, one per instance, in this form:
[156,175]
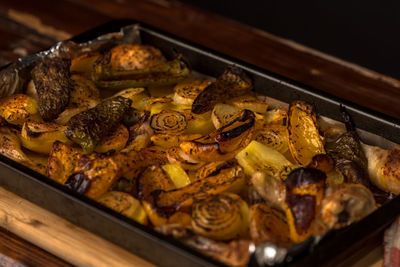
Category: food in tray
[207,161]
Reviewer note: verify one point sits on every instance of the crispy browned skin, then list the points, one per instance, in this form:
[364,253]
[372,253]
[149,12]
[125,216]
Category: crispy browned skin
[304,191]
[52,81]
[268,225]
[17,109]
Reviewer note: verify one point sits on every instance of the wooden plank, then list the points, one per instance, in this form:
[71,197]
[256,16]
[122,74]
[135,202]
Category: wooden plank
[346,80]
[60,237]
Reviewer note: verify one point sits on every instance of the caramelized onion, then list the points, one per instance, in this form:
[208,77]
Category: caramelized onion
[221,217]
[168,121]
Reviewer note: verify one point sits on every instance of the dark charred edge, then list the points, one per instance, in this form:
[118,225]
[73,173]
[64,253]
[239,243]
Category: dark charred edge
[78,182]
[163,211]
[222,166]
[309,108]
[205,100]
[33,134]
[235,132]
[303,209]
[322,162]
[348,120]
[5,123]
[303,176]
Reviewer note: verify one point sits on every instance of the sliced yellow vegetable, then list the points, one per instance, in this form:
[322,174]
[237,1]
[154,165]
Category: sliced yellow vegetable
[17,109]
[258,157]
[178,175]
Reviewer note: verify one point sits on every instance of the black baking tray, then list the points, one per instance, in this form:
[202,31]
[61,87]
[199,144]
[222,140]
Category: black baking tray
[165,251]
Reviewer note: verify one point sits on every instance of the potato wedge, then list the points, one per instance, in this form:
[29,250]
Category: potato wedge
[83,64]
[268,225]
[19,108]
[274,136]
[249,102]
[177,175]
[40,136]
[304,138]
[125,204]
[258,157]
[187,91]
[114,141]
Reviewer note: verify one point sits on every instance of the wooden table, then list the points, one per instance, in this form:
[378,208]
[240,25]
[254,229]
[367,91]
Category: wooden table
[30,26]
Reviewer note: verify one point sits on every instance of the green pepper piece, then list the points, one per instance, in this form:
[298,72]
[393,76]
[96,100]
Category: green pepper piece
[88,127]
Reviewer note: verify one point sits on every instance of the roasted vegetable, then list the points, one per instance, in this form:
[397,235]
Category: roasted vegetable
[227,180]
[213,168]
[225,142]
[384,168]
[199,124]
[10,147]
[274,136]
[221,216]
[137,66]
[187,91]
[115,141]
[83,64]
[39,136]
[177,175]
[169,140]
[258,157]
[177,156]
[304,191]
[345,204]
[270,188]
[233,82]
[232,253]
[124,204]
[17,109]
[88,127]
[168,122]
[222,114]
[268,225]
[52,82]
[304,138]
[249,102]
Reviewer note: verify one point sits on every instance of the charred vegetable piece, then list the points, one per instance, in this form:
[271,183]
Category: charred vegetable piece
[270,188]
[176,155]
[52,81]
[168,122]
[222,114]
[258,157]
[113,73]
[213,168]
[233,82]
[40,136]
[220,217]
[322,162]
[88,127]
[224,143]
[249,102]
[227,180]
[304,191]
[187,91]
[304,138]
[115,141]
[345,204]
[268,225]
[17,109]
[124,204]
[10,147]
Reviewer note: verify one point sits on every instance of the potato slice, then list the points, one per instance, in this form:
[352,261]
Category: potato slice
[19,108]
[114,141]
[222,114]
[169,140]
[275,136]
[177,175]
[258,157]
[228,180]
[40,136]
[187,91]
[125,204]
[84,63]
[304,138]
[249,102]
[268,225]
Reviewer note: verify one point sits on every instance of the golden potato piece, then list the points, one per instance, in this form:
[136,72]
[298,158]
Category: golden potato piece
[304,138]
[17,109]
[125,204]
[84,63]
[222,114]
[177,174]
[169,140]
[40,136]
[187,91]
[115,141]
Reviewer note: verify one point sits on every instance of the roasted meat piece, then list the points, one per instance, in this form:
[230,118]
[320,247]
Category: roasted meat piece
[52,82]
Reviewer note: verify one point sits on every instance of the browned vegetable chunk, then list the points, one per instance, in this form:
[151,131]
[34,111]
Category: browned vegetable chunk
[268,225]
[52,81]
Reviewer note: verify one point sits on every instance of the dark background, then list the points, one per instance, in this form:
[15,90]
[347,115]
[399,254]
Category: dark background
[363,32]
